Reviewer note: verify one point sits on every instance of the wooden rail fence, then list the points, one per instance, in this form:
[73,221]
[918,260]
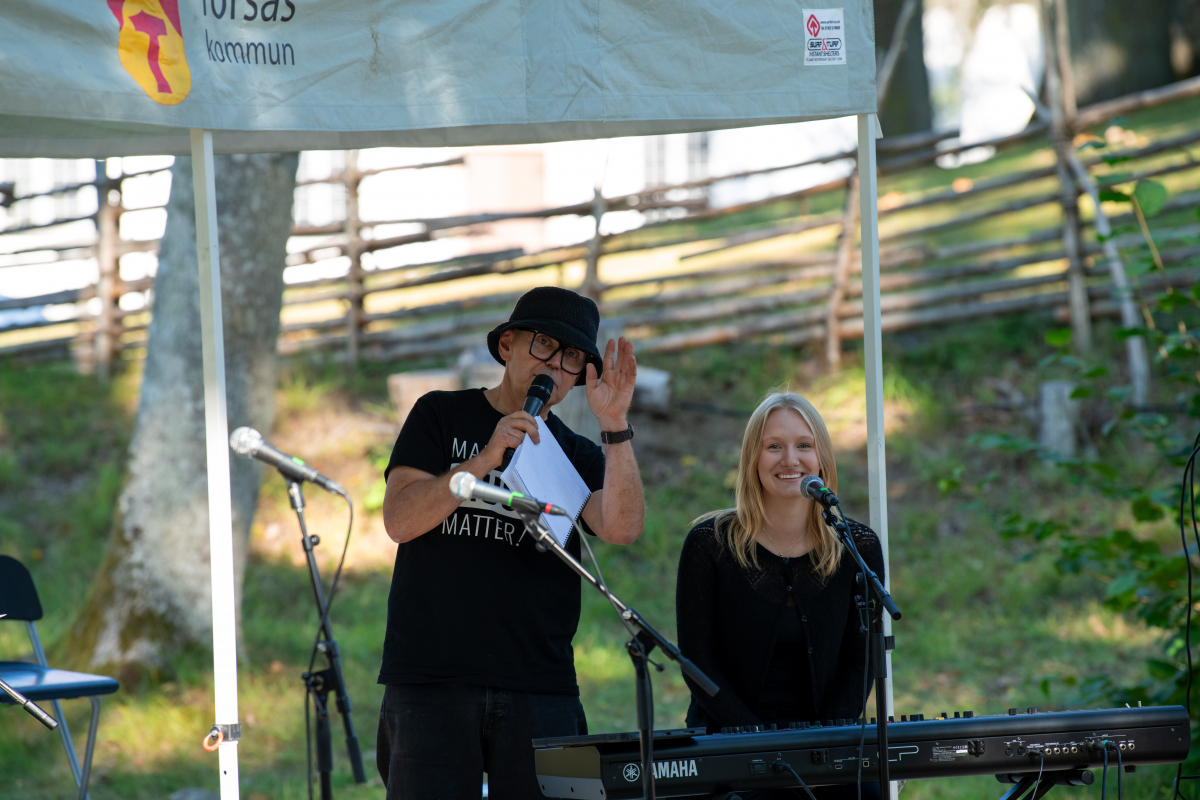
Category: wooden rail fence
[944,256]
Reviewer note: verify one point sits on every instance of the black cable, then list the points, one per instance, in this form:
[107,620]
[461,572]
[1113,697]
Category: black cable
[634,641]
[1041,764]
[312,658]
[308,743]
[864,615]
[1187,491]
[803,785]
[1120,769]
[865,612]
[601,582]
[333,587]
[1104,775]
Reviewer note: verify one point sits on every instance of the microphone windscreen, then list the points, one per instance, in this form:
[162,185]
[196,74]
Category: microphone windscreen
[245,441]
[811,487]
[462,484]
[536,397]
[541,387]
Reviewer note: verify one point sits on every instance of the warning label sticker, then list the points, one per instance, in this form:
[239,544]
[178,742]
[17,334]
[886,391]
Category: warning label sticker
[824,36]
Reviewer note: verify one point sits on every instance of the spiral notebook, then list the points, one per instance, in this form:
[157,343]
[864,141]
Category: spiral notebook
[544,471]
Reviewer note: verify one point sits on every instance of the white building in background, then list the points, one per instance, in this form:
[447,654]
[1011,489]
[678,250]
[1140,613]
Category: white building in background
[983,65]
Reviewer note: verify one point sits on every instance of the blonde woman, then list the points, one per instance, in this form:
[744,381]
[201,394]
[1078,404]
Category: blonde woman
[765,599]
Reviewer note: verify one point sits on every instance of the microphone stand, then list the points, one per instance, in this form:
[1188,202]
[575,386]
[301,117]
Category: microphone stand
[320,684]
[27,704]
[876,646]
[639,647]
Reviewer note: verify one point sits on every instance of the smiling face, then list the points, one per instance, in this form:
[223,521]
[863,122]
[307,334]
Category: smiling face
[521,367]
[788,454]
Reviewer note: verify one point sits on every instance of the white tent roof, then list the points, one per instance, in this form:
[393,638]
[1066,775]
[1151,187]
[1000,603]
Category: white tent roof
[350,73]
[133,77]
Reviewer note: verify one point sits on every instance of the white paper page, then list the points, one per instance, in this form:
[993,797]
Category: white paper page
[544,471]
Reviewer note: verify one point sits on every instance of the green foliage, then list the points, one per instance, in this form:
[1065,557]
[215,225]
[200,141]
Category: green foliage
[1151,196]
[953,483]
[1058,338]
[374,498]
[1173,301]
[1142,578]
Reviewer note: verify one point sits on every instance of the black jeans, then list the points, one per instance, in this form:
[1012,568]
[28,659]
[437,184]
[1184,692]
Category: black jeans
[437,739]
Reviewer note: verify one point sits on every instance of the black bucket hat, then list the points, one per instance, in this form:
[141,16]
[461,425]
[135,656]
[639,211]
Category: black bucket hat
[569,317]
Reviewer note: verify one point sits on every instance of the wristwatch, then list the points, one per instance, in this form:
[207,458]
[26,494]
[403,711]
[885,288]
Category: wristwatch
[617,437]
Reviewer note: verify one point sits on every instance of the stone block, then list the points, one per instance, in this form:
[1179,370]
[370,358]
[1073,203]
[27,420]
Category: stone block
[1059,418]
[652,392]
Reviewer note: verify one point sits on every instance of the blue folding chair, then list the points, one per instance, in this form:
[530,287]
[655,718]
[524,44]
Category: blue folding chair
[19,600]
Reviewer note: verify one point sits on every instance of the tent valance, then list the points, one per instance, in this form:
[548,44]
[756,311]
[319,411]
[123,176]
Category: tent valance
[133,76]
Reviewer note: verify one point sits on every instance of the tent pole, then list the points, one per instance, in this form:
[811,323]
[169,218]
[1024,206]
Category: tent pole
[873,359]
[216,428]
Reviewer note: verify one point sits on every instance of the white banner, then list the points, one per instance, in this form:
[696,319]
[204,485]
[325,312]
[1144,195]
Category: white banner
[117,77]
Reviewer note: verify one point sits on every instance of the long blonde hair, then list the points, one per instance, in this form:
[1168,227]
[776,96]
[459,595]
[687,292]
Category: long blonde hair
[739,527]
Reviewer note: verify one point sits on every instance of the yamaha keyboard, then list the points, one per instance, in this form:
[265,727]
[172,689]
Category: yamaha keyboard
[688,762]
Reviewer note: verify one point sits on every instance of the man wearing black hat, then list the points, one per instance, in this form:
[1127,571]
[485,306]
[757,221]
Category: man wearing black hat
[477,658]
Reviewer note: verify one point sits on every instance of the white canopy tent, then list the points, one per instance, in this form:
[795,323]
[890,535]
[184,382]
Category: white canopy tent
[132,77]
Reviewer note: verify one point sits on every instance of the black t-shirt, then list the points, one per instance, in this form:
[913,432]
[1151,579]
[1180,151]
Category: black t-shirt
[472,600]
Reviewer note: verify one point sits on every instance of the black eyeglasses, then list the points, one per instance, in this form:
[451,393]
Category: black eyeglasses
[544,348]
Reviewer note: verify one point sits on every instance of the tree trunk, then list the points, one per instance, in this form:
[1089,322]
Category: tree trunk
[907,108]
[1185,38]
[1119,47]
[151,596]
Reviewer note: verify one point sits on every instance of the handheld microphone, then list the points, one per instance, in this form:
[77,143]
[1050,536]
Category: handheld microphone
[535,400]
[466,486]
[814,488]
[249,443]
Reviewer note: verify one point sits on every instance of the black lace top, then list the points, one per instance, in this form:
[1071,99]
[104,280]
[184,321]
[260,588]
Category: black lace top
[786,694]
[728,618]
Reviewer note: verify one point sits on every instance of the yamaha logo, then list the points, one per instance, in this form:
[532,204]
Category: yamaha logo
[683,768]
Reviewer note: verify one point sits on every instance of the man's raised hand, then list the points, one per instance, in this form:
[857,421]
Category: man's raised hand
[610,395]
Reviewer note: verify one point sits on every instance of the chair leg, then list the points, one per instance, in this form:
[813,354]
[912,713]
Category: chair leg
[91,749]
[68,745]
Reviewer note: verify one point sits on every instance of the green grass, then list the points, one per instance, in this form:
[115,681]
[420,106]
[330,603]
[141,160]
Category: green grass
[989,623]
